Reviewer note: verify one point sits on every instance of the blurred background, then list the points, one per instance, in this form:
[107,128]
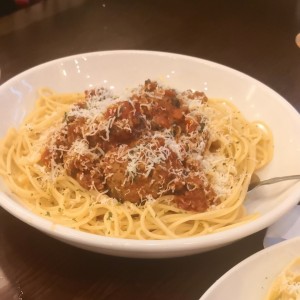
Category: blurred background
[241,34]
[10,6]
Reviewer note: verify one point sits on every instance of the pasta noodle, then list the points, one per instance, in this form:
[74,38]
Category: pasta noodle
[286,286]
[234,149]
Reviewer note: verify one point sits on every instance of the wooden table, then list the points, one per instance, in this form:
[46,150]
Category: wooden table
[256,37]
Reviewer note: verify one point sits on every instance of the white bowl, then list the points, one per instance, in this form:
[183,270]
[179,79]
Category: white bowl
[257,272]
[126,69]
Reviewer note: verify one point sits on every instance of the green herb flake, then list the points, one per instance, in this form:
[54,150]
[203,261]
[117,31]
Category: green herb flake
[65,117]
[109,215]
[202,126]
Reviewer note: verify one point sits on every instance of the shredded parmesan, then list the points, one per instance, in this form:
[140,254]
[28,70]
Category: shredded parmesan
[174,146]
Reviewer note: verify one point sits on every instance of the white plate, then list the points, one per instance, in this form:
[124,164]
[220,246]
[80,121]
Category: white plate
[252,278]
[126,69]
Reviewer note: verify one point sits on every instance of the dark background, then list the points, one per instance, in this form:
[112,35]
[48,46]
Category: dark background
[256,37]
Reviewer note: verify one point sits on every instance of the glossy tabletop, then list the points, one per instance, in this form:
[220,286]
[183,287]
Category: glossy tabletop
[255,37]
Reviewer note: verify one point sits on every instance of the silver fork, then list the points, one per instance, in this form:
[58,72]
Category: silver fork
[256,182]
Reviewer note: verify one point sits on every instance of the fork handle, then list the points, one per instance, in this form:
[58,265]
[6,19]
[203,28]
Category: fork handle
[278,179]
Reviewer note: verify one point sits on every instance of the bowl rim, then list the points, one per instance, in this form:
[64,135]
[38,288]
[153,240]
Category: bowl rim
[172,245]
[248,260]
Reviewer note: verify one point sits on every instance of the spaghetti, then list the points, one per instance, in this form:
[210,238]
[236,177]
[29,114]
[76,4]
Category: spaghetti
[286,286]
[155,164]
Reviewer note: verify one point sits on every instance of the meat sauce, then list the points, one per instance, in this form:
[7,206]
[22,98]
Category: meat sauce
[138,149]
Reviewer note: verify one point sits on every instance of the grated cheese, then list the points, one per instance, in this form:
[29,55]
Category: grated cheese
[101,112]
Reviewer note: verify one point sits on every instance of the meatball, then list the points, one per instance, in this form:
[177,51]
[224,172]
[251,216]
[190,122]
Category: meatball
[149,180]
[198,195]
[85,169]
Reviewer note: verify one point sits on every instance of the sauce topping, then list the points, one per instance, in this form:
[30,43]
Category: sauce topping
[136,149]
